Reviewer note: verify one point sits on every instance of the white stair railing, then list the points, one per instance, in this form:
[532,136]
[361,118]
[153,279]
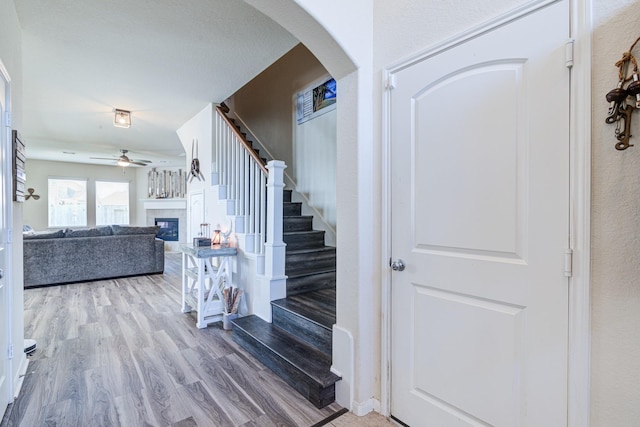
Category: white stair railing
[244,177]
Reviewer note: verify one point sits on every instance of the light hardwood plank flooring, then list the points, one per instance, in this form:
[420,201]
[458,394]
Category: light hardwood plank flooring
[120,353]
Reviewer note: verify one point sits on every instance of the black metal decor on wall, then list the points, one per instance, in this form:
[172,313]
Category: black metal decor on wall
[619,110]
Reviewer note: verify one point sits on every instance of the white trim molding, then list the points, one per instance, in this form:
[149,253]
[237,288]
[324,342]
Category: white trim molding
[363,408]
[579,363]
[165,203]
[8,312]
[343,365]
[578,387]
[21,373]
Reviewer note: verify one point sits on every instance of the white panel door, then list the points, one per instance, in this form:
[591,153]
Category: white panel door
[480,196]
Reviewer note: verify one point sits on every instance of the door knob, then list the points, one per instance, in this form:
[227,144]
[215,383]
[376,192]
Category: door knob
[397,265]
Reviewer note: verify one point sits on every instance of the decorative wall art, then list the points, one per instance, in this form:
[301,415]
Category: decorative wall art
[18,162]
[167,184]
[619,109]
[316,100]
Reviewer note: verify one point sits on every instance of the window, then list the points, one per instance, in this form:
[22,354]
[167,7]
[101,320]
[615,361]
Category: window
[67,202]
[112,202]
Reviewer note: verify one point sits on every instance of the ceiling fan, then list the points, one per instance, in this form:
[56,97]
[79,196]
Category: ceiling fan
[125,161]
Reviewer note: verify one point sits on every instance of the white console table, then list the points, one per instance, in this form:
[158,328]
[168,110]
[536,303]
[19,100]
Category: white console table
[203,282]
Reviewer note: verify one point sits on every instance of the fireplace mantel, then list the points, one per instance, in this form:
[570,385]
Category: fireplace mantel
[165,203]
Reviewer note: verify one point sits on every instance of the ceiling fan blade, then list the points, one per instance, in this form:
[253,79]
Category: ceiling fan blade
[123,158]
[35,196]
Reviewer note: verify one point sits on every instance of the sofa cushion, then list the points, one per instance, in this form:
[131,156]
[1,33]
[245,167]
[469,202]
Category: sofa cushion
[44,235]
[120,230]
[88,232]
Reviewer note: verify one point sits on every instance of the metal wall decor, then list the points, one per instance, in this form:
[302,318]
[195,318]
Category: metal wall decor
[619,110]
[167,184]
[195,163]
[19,158]
[31,194]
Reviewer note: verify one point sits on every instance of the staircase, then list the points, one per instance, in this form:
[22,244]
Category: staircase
[297,345]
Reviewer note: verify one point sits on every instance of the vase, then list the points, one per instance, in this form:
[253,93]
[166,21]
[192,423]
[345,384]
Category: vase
[226,320]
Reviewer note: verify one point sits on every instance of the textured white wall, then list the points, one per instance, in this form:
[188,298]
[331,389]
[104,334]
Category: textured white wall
[405,27]
[200,128]
[315,159]
[615,226]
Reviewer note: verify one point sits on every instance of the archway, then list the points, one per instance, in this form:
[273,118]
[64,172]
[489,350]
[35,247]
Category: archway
[343,50]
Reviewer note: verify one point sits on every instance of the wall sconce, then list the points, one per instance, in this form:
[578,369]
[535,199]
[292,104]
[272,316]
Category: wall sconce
[122,118]
[216,239]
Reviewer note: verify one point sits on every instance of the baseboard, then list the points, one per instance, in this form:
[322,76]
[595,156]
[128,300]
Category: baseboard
[363,408]
[343,365]
[19,379]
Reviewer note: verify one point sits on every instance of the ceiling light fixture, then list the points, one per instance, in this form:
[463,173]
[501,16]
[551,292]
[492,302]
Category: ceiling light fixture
[122,118]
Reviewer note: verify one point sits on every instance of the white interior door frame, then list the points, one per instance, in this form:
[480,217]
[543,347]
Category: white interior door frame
[6,316]
[580,203]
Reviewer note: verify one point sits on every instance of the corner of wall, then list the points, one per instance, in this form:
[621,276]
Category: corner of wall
[343,365]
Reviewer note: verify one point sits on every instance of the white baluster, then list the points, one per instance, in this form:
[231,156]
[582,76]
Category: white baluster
[236,195]
[251,207]
[263,209]
[256,208]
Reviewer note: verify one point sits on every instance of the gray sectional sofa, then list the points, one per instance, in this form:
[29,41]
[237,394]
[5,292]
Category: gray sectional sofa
[67,256]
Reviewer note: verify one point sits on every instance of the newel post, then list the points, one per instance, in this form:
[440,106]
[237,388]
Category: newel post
[274,281]
[274,246]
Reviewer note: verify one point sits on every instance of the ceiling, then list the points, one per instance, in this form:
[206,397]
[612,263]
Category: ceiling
[160,59]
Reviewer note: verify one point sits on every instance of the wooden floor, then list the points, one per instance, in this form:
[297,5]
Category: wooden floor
[120,353]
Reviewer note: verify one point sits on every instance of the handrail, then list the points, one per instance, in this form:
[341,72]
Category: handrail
[243,141]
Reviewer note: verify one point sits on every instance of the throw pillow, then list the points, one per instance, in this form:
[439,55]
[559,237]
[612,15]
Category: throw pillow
[127,230]
[45,235]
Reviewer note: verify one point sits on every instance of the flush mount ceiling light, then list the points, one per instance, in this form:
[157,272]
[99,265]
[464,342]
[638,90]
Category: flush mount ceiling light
[122,118]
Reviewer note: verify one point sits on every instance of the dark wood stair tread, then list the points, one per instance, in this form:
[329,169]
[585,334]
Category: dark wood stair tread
[322,249]
[309,272]
[309,361]
[316,306]
[311,234]
[297,223]
[295,217]
[304,239]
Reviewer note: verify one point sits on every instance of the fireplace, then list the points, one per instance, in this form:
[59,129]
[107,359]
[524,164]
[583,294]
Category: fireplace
[168,229]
